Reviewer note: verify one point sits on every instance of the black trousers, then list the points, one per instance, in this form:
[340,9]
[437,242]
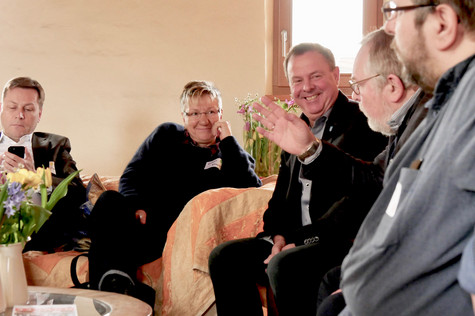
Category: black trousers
[330,304]
[66,225]
[236,267]
[118,240]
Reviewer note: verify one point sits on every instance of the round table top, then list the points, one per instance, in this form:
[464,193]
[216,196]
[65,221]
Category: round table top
[86,301]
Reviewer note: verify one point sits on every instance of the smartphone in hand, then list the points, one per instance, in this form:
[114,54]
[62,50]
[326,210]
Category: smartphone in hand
[17,150]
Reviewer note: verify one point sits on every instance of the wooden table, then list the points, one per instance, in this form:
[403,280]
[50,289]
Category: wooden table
[114,304]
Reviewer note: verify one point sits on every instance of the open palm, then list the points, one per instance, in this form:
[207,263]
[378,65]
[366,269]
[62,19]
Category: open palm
[285,129]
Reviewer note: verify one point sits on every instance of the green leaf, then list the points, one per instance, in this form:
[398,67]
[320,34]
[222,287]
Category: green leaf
[10,230]
[33,217]
[3,197]
[44,195]
[60,191]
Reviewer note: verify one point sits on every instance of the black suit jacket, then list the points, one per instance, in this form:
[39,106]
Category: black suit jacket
[56,148]
[346,128]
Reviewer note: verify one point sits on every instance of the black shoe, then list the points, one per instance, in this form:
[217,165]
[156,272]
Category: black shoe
[118,282]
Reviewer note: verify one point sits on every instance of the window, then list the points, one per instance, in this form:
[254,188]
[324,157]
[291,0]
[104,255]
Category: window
[344,21]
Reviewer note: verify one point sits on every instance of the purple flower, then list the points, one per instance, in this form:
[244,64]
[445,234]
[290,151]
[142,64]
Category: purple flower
[14,188]
[9,208]
[15,197]
[247,127]
[245,108]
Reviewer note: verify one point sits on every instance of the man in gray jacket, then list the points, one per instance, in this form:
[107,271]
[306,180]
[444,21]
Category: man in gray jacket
[407,253]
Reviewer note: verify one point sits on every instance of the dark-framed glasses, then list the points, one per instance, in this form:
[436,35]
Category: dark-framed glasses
[197,115]
[355,85]
[390,9]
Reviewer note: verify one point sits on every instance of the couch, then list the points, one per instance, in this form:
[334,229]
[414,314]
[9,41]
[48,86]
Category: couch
[180,277]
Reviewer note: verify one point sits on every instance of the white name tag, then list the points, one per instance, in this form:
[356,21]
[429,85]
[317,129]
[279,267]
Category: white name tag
[51,167]
[45,310]
[214,164]
[391,210]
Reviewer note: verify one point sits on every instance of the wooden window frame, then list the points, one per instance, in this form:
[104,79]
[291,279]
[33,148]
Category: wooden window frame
[282,27]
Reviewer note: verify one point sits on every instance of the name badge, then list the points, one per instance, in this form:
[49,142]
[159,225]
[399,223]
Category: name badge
[47,310]
[217,163]
[51,167]
[391,210]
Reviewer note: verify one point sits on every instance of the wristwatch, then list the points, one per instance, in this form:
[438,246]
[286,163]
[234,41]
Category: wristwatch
[310,150]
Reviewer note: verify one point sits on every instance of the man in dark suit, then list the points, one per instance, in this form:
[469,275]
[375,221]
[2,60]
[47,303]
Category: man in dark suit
[21,109]
[298,200]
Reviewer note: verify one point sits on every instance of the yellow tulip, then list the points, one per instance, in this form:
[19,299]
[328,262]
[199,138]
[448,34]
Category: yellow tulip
[32,180]
[28,179]
[48,178]
[16,177]
[45,175]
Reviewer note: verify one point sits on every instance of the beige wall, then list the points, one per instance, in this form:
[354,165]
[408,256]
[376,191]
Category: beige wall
[113,70]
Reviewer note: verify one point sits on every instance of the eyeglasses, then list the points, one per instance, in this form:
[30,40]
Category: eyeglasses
[355,85]
[390,9]
[197,115]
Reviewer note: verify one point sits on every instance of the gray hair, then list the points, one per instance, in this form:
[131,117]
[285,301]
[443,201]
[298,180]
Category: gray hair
[382,59]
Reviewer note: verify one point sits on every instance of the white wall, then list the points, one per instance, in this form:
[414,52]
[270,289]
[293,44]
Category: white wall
[113,70]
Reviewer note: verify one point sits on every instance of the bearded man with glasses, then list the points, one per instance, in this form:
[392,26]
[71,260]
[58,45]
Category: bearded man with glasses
[174,164]
[394,107]
[407,254]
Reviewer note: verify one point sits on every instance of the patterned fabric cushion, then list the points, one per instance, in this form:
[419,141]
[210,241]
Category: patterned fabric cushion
[52,269]
[43,269]
[207,220]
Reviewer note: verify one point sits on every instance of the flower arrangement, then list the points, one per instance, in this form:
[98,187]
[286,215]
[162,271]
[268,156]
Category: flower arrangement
[265,153]
[19,215]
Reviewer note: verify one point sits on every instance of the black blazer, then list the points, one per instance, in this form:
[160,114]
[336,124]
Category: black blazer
[346,128]
[67,223]
[56,148]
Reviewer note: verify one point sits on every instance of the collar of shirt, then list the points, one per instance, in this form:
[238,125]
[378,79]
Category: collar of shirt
[398,117]
[6,142]
[319,126]
[448,83]
[214,148]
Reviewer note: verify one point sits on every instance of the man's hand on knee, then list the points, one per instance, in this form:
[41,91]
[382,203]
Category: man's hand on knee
[279,245]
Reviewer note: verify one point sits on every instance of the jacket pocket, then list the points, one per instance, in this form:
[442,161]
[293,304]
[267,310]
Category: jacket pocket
[387,231]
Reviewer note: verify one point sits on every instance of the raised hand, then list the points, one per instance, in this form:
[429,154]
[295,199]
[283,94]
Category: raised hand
[285,129]
[222,129]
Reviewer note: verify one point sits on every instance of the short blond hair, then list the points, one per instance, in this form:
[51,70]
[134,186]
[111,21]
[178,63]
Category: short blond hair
[26,83]
[197,89]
